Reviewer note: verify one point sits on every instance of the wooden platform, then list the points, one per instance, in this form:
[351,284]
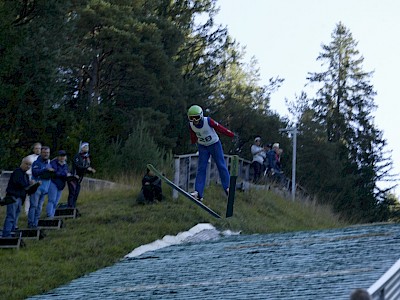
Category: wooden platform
[32,234]
[11,242]
[65,213]
[50,224]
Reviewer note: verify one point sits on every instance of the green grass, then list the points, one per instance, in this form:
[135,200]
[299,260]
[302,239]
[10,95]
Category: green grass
[112,225]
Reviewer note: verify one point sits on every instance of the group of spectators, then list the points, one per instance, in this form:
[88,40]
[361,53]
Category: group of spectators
[266,161]
[38,176]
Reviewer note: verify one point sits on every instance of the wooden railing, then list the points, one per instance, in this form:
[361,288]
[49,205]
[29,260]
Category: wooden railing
[185,168]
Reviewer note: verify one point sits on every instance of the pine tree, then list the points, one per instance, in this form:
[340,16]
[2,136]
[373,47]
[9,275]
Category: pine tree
[343,106]
[31,39]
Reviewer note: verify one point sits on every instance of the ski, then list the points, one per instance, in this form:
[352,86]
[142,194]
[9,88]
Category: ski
[182,191]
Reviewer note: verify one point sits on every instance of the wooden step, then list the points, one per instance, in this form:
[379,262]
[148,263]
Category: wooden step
[50,224]
[12,242]
[65,213]
[31,234]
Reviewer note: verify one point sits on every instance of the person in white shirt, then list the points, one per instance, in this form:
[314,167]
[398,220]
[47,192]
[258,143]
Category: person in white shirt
[259,155]
[36,148]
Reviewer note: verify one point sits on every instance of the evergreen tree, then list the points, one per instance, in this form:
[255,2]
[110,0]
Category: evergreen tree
[31,38]
[318,164]
[343,106]
[141,54]
[93,69]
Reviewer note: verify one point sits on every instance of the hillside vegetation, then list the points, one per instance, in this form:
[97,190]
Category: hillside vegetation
[122,75]
[112,224]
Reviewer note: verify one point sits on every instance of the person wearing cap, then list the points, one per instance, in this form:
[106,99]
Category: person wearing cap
[259,155]
[57,184]
[203,131]
[80,167]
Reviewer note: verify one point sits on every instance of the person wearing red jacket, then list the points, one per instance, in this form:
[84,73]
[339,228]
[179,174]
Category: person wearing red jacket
[203,131]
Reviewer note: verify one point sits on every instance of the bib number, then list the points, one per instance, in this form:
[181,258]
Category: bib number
[205,139]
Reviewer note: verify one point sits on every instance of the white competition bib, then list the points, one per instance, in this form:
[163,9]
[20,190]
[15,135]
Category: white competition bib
[206,135]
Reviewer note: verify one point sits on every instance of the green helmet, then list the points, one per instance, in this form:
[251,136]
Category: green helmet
[195,111]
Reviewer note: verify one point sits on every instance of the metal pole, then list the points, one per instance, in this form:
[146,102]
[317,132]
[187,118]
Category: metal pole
[176,176]
[294,163]
[293,131]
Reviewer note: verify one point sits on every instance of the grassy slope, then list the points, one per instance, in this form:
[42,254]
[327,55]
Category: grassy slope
[112,225]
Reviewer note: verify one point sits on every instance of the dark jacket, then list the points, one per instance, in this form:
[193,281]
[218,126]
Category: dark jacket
[273,162]
[80,164]
[152,181]
[151,188]
[60,174]
[19,180]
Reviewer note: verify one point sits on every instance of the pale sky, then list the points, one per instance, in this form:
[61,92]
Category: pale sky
[285,36]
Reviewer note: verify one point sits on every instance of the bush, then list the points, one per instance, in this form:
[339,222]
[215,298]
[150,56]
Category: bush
[131,157]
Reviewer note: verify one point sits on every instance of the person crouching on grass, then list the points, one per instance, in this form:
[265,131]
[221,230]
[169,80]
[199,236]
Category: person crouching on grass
[203,131]
[151,191]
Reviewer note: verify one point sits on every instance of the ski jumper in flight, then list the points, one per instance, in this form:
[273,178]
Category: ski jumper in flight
[203,131]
